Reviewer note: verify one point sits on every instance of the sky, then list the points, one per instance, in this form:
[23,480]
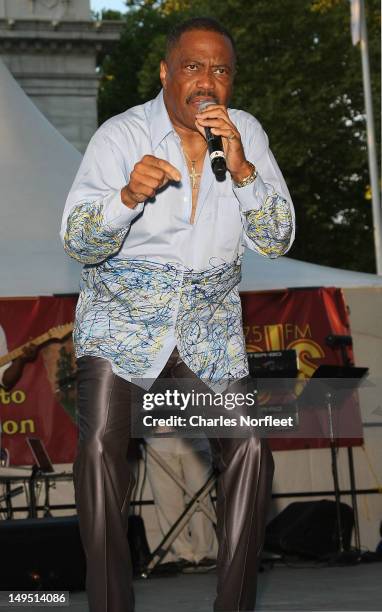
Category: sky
[117,5]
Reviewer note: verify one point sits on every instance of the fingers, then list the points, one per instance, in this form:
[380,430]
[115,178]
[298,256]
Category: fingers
[216,118]
[213,111]
[200,129]
[171,172]
[220,128]
[217,122]
[226,132]
[158,168]
[148,175]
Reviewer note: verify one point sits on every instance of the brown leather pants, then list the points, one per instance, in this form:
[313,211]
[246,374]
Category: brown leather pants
[103,484]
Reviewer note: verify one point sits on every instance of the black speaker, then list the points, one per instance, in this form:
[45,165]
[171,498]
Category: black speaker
[42,554]
[309,529]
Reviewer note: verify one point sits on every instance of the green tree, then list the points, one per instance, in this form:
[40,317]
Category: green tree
[107,15]
[299,74]
[130,74]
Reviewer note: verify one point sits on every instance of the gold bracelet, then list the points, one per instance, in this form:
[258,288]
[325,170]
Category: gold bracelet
[248,179]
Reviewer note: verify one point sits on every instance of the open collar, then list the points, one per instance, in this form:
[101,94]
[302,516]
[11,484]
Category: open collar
[159,121]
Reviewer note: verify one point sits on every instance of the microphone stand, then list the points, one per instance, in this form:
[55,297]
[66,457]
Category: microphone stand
[32,491]
[341,342]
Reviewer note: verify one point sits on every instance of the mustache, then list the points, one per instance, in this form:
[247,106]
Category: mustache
[202,93]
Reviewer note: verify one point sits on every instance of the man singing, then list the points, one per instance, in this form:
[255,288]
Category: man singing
[162,241]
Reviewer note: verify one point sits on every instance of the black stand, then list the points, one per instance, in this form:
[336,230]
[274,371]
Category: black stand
[7,498]
[195,504]
[347,379]
[35,474]
[47,511]
[342,343]
[32,491]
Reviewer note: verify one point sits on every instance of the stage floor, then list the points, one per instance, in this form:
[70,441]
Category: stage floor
[282,589]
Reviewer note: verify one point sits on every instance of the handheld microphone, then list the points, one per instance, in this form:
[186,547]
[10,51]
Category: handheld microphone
[215,148]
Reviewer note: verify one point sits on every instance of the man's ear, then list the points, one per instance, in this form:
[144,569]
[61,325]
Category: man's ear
[163,73]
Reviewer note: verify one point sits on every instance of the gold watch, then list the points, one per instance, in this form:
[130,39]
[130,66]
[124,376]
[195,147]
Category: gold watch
[248,179]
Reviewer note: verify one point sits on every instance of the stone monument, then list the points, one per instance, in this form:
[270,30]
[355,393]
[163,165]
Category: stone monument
[51,48]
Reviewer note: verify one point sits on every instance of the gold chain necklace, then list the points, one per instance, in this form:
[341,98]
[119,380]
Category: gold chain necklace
[193,174]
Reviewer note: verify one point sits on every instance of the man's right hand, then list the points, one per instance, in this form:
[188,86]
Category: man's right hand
[148,175]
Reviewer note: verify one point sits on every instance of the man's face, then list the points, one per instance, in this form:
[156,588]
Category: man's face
[200,67]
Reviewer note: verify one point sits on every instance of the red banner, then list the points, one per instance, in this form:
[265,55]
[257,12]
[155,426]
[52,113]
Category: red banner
[42,402]
[300,319]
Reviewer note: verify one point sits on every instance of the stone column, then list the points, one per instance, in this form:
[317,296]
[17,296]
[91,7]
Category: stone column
[51,48]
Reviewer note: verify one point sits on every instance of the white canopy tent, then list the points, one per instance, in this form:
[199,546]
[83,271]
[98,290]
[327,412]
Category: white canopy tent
[37,168]
[259,273]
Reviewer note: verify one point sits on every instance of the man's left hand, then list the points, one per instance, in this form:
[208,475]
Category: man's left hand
[215,116]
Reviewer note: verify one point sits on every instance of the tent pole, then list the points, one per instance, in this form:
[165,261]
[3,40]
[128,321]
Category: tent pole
[371,146]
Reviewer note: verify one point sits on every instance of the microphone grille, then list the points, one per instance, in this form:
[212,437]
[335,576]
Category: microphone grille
[205,103]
